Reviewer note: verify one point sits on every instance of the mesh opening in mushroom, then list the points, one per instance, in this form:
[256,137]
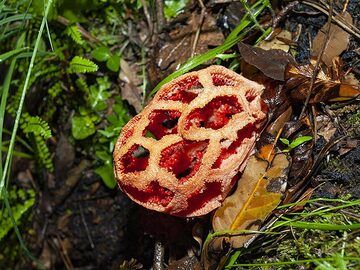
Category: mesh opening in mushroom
[162,122]
[219,79]
[136,159]
[199,198]
[154,193]
[250,96]
[215,114]
[242,134]
[184,158]
[185,90]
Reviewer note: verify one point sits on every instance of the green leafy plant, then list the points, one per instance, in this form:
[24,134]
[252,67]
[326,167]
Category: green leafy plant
[173,7]
[74,33]
[22,201]
[295,143]
[103,54]
[81,65]
[5,171]
[37,126]
[107,139]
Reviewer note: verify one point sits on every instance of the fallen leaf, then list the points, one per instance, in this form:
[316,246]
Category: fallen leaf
[325,88]
[64,156]
[277,43]
[258,193]
[73,177]
[278,124]
[130,90]
[337,42]
[270,62]
[266,144]
[325,127]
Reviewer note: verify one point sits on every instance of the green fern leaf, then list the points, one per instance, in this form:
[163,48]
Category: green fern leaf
[37,126]
[43,154]
[73,32]
[82,65]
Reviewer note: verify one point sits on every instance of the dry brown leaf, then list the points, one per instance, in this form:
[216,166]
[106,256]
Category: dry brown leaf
[270,62]
[325,127]
[130,90]
[325,87]
[278,124]
[277,43]
[267,144]
[337,42]
[258,192]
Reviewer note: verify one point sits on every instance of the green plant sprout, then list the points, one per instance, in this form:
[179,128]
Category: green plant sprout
[295,143]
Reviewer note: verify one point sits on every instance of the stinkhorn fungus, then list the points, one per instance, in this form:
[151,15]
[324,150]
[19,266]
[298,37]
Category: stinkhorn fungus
[183,153]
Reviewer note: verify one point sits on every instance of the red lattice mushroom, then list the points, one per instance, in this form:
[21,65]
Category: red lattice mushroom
[183,153]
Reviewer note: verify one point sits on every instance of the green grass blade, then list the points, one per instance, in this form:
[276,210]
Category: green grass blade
[10,54]
[17,17]
[318,226]
[293,262]
[22,99]
[5,93]
[6,169]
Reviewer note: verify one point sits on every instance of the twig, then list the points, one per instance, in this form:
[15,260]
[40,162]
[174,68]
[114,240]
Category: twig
[160,15]
[63,253]
[147,15]
[345,6]
[282,13]
[86,227]
[318,60]
[197,34]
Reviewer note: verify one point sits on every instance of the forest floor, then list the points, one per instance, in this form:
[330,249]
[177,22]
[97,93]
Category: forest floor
[78,219]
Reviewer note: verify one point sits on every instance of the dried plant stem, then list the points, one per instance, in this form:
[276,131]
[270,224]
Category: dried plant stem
[201,21]
[318,60]
[158,256]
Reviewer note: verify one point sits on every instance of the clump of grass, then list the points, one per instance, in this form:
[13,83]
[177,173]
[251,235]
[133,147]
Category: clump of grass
[324,235]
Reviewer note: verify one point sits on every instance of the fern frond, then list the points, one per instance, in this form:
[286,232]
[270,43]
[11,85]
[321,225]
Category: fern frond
[82,65]
[37,126]
[82,85]
[73,32]
[43,153]
[55,90]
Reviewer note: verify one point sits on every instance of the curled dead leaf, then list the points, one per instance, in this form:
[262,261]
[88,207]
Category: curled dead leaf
[325,87]
[258,193]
